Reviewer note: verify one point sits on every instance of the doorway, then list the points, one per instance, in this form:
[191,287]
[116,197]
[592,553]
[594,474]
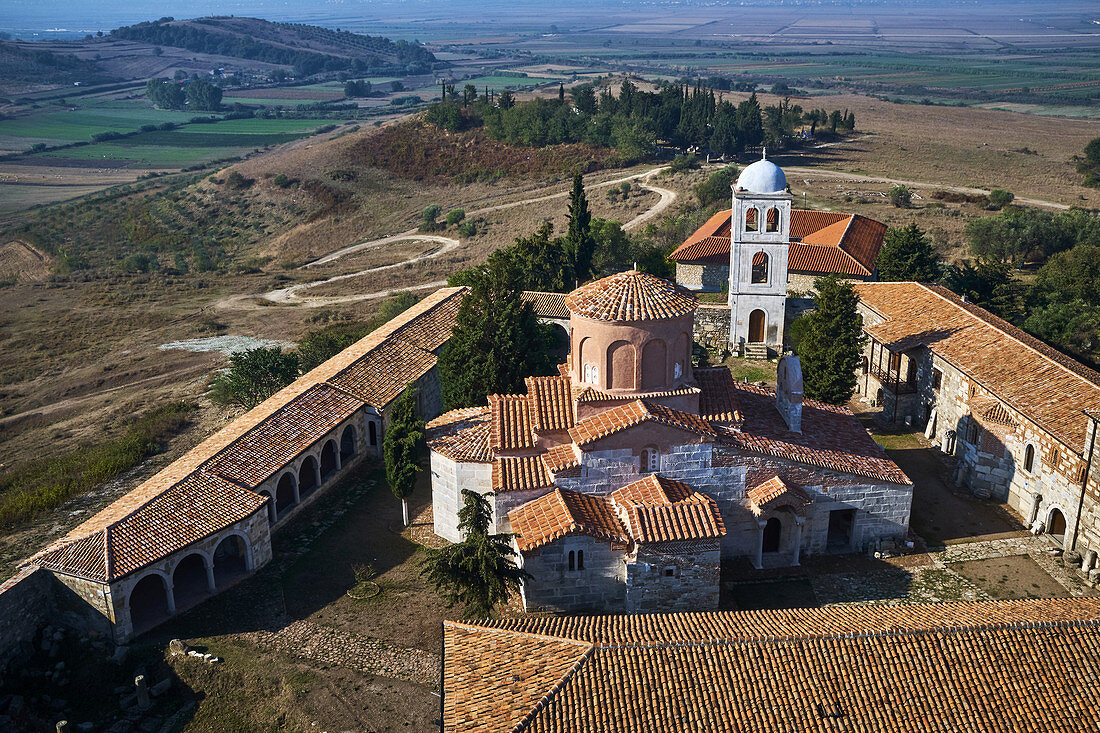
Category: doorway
[756,326]
[1057,526]
[839,538]
[772,532]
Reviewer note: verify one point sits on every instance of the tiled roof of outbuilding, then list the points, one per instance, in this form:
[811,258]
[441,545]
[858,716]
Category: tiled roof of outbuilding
[547,305]
[609,422]
[561,458]
[662,510]
[1014,666]
[520,473]
[832,437]
[462,435]
[563,512]
[1031,377]
[630,296]
[773,492]
[551,403]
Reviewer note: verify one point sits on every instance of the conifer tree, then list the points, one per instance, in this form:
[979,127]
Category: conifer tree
[831,342]
[402,447]
[480,571]
[497,340]
[579,243]
[907,255]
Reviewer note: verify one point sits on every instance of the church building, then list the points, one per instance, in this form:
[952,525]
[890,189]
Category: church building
[632,474]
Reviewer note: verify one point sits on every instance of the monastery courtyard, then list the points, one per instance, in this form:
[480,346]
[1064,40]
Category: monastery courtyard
[293,630]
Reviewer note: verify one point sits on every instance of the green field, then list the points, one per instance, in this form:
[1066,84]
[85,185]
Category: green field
[54,125]
[497,83]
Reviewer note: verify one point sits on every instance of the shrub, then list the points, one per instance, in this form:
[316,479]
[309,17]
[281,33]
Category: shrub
[901,197]
[454,216]
[428,218]
[467,228]
[1000,198]
[237,181]
[683,163]
[253,376]
[281,180]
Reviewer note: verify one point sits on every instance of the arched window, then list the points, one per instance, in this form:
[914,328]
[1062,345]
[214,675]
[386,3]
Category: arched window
[580,559]
[651,460]
[750,220]
[572,560]
[591,374]
[678,370]
[773,219]
[1029,458]
[372,430]
[759,268]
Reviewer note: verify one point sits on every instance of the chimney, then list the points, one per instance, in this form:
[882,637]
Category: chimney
[788,392]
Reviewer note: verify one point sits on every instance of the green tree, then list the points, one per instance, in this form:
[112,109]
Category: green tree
[506,100]
[165,94]
[253,376]
[480,572]
[1000,198]
[988,283]
[579,243]
[543,262]
[321,344]
[901,196]
[454,216]
[204,95]
[497,341]
[428,218]
[718,187]
[614,250]
[831,342]
[1090,166]
[402,448]
[907,255]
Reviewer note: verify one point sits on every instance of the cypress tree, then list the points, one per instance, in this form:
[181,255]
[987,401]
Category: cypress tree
[402,447]
[480,571]
[907,255]
[831,342]
[579,243]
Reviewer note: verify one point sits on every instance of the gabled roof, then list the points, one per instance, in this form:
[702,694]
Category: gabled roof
[821,242]
[766,493]
[547,305]
[630,296]
[520,473]
[551,403]
[382,374]
[462,435]
[563,512]
[599,426]
[832,437]
[994,667]
[561,458]
[658,509]
[718,401]
[1045,385]
[512,426]
[193,509]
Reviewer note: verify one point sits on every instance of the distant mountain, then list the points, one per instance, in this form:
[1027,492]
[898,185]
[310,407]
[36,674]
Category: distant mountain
[308,49]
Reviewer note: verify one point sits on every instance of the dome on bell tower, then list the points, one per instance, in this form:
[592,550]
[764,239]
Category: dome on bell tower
[763,176]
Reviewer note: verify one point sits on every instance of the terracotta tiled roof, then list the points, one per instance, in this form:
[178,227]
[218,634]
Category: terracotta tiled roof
[831,437]
[380,376]
[772,492]
[608,422]
[589,394]
[560,458]
[563,512]
[522,473]
[193,509]
[1031,377]
[462,435]
[630,296]
[551,403]
[547,305]
[512,426]
[1013,666]
[657,509]
[821,242]
[263,450]
[718,401]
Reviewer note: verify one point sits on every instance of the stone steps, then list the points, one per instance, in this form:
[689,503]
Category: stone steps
[756,351]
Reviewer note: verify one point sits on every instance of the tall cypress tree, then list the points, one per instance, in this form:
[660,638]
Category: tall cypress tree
[907,255]
[579,242]
[402,447]
[497,340]
[831,342]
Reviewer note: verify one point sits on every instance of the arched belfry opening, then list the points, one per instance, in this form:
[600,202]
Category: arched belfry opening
[760,268]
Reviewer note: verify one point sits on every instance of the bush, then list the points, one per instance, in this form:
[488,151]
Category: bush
[454,216]
[1000,198]
[467,228]
[683,163]
[253,376]
[428,218]
[236,181]
[281,180]
[901,197]
[718,186]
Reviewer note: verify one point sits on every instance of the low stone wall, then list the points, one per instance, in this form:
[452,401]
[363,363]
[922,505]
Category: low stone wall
[26,601]
[674,576]
[712,327]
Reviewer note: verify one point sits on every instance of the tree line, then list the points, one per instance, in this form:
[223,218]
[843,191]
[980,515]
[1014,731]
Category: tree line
[634,122]
[196,94]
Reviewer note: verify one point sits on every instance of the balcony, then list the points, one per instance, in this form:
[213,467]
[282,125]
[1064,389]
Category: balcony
[889,382]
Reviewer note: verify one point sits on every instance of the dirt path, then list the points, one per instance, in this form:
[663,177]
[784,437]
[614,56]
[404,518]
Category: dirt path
[292,294]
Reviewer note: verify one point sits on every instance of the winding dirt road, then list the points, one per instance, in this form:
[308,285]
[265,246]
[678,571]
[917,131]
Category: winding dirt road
[292,294]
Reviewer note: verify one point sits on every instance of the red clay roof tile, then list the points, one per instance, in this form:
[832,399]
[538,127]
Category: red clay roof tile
[630,296]
[462,435]
[563,512]
[599,426]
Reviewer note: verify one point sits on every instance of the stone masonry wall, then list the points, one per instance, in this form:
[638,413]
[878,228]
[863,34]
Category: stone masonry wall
[681,576]
[448,479]
[712,326]
[26,601]
[600,586]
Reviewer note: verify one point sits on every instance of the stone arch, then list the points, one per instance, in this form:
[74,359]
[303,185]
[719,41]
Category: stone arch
[272,517]
[751,219]
[307,477]
[760,262]
[621,365]
[1056,525]
[1029,458]
[330,461]
[773,535]
[286,494]
[148,602]
[772,223]
[230,560]
[758,321]
[654,365]
[348,444]
[190,581]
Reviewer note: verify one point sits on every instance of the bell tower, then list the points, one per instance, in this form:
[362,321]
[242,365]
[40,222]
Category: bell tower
[760,230]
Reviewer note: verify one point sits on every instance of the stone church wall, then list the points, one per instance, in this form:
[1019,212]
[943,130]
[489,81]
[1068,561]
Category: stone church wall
[448,479]
[704,278]
[712,327]
[599,586]
[674,576]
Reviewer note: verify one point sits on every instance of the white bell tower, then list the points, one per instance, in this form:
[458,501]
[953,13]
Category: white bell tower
[759,240]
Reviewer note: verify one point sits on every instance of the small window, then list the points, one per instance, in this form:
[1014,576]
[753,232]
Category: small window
[372,431]
[591,374]
[937,378]
[759,269]
[773,219]
[651,460]
[1053,458]
[677,370]
[972,432]
[750,220]
[670,571]
[1029,458]
[580,559]
[572,560]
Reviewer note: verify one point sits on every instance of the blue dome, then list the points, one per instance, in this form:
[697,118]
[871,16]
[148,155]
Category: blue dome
[763,176]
